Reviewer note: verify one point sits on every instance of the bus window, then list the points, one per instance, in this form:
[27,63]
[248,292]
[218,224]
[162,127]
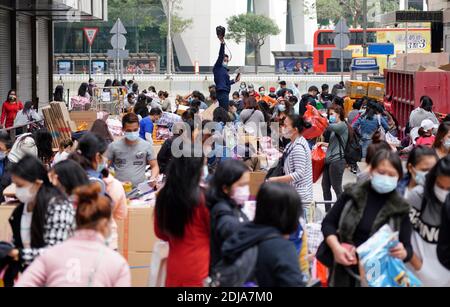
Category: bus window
[326,38]
[334,65]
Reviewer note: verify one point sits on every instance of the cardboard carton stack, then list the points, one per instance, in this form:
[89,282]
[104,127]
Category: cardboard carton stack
[58,122]
[360,89]
[136,242]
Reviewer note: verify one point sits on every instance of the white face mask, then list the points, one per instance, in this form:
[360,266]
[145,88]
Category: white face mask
[24,195]
[440,194]
[241,194]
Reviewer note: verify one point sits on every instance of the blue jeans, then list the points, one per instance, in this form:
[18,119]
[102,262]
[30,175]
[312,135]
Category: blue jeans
[224,99]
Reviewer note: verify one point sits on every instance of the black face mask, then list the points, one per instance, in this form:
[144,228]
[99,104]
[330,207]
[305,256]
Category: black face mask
[12,98]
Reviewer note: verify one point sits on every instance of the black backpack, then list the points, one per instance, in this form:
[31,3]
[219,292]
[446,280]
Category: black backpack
[237,273]
[353,148]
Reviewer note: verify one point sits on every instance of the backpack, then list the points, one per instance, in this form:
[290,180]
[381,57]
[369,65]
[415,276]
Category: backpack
[353,148]
[237,273]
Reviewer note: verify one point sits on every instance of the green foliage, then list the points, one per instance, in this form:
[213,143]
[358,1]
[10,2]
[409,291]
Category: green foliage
[179,25]
[329,11]
[252,28]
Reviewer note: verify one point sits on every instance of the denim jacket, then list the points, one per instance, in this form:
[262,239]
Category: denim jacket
[367,127]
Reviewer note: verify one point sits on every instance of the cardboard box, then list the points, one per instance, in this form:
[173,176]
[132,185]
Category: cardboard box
[356,89]
[136,233]
[84,117]
[256,181]
[139,268]
[376,90]
[5,228]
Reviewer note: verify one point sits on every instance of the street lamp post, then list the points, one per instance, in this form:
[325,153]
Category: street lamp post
[364,76]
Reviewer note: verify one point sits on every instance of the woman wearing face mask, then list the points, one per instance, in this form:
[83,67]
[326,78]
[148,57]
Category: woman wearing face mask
[98,265]
[182,219]
[10,108]
[45,217]
[229,190]
[297,164]
[442,142]
[89,155]
[335,159]
[420,161]
[426,213]
[362,210]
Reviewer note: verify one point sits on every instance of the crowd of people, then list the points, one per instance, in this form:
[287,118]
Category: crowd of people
[71,200]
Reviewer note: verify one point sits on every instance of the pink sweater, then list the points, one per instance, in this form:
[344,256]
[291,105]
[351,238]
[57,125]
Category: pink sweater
[82,261]
[120,211]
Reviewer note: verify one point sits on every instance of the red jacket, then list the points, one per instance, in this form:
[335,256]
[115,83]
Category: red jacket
[9,112]
[189,257]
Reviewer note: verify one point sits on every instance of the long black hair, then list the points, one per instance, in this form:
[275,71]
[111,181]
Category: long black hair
[180,195]
[88,148]
[442,168]
[59,93]
[228,172]
[426,103]
[278,205]
[31,169]
[84,87]
[43,140]
[71,175]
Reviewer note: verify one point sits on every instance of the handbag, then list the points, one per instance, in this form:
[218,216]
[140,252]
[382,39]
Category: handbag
[324,253]
[278,170]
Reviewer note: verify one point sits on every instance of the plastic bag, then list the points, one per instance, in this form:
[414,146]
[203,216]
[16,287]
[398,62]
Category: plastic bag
[318,162]
[318,122]
[381,269]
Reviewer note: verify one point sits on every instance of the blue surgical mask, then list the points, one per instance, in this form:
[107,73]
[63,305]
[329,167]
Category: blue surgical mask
[362,111]
[101,167]
[2,155]
[132,136]
[421,177]
[281,108]
[384,184]
[225,65]
[333,119]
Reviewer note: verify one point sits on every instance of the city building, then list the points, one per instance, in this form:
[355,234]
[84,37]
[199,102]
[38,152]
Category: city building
[198,45]
[26,36]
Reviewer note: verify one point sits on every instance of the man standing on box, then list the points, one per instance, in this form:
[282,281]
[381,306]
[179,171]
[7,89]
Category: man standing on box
[221,73]
[130,156]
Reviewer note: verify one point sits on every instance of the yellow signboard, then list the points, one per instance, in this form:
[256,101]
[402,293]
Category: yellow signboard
[419,41]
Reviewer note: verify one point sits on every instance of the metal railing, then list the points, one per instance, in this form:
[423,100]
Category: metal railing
[19,130]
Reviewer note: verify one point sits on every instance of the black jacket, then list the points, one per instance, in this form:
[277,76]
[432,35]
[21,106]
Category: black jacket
[5,180]
[307,99]
[226,218]
[277,264]
[443,248]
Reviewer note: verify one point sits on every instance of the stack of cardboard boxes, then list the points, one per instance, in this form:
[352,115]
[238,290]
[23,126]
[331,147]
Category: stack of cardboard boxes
[136,242]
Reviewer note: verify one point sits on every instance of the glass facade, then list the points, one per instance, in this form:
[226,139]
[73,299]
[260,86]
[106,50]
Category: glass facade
[142,20]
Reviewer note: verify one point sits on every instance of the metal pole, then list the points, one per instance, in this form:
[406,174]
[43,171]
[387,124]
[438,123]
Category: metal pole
[90,62]
[364,76]
[405,62]
[169,37]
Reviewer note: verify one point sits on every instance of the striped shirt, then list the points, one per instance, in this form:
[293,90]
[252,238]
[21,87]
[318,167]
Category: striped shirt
[299,166]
